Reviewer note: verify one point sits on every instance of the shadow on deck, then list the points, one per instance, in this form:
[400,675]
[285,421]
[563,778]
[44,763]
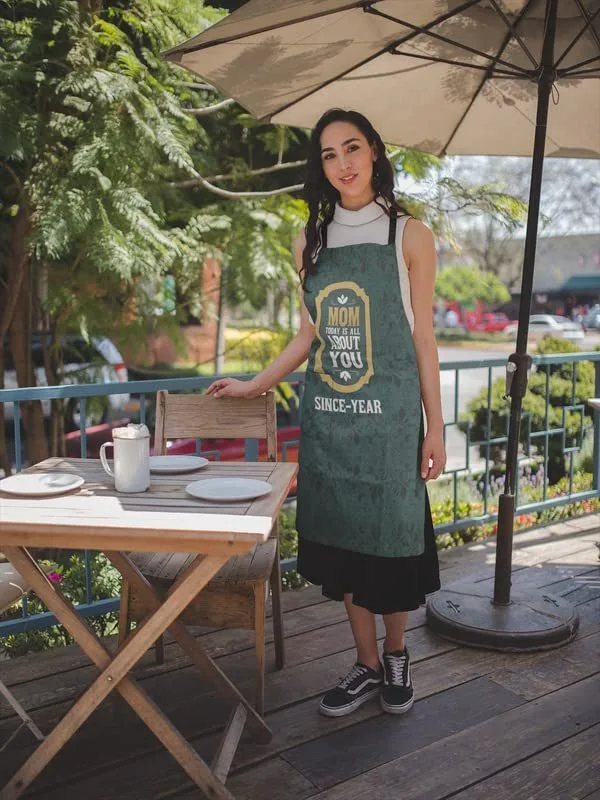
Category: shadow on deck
[486,726]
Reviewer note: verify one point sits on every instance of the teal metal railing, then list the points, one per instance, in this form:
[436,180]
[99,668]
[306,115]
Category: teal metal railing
[478,451]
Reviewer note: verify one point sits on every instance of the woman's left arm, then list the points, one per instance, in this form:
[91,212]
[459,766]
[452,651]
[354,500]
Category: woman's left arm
[420,257]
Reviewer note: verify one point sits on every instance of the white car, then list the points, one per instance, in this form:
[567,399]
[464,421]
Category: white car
[591,320]
[541,325]
[96,361]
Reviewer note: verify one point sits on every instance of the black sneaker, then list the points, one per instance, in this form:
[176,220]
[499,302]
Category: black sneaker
[360,684]
[397,693]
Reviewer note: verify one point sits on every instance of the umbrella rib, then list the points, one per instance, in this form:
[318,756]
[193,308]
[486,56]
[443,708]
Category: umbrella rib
[426,31]
[372,57]
[585,73]
[486,77]
[566,72]
[481,67]
[516,36]
[589,19]
[189,47]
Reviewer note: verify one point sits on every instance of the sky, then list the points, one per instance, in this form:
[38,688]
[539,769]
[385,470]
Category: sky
[570,188]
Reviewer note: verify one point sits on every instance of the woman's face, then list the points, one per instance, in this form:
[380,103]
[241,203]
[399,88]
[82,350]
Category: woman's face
[347,160]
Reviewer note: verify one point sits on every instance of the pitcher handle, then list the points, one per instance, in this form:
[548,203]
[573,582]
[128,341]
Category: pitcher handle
[103,458]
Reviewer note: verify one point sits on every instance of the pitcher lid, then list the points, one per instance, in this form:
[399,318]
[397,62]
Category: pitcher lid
[132,431]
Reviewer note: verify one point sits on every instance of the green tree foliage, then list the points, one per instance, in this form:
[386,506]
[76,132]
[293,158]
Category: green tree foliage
[105,150]
[89,121]
[563,392]
[466,284]
[95,132]
[94,123]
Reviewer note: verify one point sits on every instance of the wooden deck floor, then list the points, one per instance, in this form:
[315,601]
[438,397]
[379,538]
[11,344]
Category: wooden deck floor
[486,726]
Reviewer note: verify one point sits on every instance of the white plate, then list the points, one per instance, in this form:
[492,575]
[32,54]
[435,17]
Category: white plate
[228,489]
[174,464]
[40,484]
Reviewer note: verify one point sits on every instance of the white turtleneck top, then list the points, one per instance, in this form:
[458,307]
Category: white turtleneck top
[371,224]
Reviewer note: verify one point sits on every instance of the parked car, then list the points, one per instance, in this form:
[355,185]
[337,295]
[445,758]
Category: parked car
[95,436]
[96,361]
[492,322]
[591,320]
[234,449]
[542,325]
[288,436]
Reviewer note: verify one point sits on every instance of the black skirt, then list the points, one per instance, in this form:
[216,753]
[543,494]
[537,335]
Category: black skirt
[382,585]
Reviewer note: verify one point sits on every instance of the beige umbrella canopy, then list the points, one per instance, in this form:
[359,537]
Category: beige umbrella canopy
[494,77]
[445,77]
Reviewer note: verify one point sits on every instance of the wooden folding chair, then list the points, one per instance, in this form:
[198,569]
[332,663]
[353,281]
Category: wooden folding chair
[236,596]
[12,587]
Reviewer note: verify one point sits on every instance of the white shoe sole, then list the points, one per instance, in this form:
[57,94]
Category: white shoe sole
[397,709]
[341,712]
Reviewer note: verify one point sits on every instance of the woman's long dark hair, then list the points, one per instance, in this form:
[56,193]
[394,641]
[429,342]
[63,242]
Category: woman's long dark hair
[321,195]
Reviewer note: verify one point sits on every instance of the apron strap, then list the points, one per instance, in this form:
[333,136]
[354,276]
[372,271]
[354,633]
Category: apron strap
[393,221]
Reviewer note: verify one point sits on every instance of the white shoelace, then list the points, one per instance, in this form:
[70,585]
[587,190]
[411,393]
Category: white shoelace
[396,665]
[356,672]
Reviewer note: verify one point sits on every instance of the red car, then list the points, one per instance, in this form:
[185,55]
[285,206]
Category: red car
[234,449]
[288,435]
[95,438]
[492,322]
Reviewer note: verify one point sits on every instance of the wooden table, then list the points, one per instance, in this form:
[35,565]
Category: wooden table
[164,519]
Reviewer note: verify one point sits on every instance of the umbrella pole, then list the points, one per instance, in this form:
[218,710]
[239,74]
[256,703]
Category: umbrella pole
[519,363]
[464,612]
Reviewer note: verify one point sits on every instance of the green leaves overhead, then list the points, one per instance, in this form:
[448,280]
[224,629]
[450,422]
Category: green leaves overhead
[100,150]
[92,125]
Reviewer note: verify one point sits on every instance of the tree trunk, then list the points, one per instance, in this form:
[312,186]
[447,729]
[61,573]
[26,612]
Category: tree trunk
[221,325]
[4,456]
[19,334]
[278,297]
[53,369]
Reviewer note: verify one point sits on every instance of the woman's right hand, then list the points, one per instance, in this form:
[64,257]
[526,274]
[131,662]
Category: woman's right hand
[232,387]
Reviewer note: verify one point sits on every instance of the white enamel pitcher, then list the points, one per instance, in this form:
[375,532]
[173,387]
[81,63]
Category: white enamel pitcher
[131,461]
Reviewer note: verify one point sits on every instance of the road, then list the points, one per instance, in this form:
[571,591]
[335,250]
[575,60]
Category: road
[471,381]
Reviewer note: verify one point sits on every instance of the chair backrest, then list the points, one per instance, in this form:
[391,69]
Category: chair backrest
[199,417]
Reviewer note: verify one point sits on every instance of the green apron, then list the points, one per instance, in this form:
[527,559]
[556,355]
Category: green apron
[359,483]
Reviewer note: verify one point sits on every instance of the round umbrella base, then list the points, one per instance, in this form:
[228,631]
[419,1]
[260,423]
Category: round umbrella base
[465,614]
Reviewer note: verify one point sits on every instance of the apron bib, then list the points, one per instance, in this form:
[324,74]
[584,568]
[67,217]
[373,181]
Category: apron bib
[359,483]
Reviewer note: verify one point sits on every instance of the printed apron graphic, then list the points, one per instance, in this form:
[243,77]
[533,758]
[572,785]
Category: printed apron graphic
[344,358]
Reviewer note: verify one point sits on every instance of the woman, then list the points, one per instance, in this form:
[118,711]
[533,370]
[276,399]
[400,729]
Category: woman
[364,523]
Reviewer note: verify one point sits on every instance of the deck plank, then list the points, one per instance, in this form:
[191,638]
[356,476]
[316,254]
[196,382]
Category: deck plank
[293,725]
[114,730]
[311,632]
[115,756]
[553,671]
[275,776]
[566,771]
[325,678]
[73,675]
[453,562]
[344,754]
[63,659]
[438,770]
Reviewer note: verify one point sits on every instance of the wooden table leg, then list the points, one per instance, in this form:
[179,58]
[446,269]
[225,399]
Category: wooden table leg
[114,674]
[25,718]
[190,646]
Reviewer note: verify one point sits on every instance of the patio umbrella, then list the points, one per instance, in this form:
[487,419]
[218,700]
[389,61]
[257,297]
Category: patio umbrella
[494,77]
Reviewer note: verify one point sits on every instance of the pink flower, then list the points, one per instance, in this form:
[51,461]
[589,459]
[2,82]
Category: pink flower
[55,577]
